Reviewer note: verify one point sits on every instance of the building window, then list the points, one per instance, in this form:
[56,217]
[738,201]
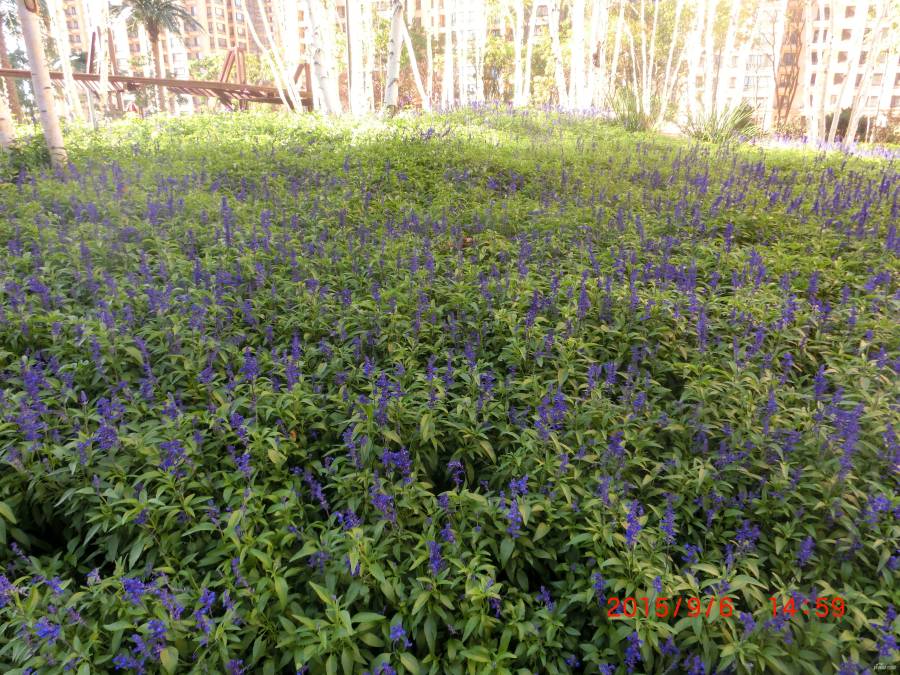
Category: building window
[862,57]
[240,31]
[873,102]
[838,78]
[846,33]
[895,102]
[812,79]
[748,82]
[220,27]
[222,43]
[849,12]
[858,80]
[815,36]
[842,57]
[833,99]
[814,57]
[733,82]
[897,80]
[877,79]
[220,11]
[788,58]
[237,3]
[239,17]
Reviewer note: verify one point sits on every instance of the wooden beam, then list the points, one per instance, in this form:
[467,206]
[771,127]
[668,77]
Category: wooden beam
[248,92]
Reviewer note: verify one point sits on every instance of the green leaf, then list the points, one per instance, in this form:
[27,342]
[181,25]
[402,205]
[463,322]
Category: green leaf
[276,457]
[281,590]
[506,549]
[168,657]
[7,513]
[410,662]
[430,632]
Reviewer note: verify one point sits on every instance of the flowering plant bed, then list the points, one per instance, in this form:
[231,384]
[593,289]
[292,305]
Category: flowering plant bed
[281,395]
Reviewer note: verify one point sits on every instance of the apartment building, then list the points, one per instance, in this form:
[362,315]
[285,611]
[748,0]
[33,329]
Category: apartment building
[796,58]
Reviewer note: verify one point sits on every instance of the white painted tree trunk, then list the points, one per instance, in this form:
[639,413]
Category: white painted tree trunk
[529,51]
[577,83]
[595,77]
[428,24]
[650,66]
[43,87]
[882,13]
[669,73]
[448,82]
[780,20]
[481,35]
[809,91]
[694,54]
[709,56]
[617,50]
[825,72]
[7,130]
[462,55]
[395,48]
[417,76]
[61,38]
[269,58]
[518,28]
[287,77]
[854,54]
[559,71]
[727,51]
[356,60]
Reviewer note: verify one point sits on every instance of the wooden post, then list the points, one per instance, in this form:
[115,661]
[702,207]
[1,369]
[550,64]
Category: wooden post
[115,70]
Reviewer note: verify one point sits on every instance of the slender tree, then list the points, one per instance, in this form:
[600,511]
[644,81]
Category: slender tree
[559,70]
[40,79]
[395,48]
[7,131]
[7,23]
[61,38]
[156,16]
[448,97]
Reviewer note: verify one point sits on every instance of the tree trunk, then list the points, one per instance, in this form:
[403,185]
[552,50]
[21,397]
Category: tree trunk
[882,10]
[854,54]
[395,47]
[356,91]
[709,51]
[368,33]
[462,58]
[668,75]
[559,71]
[529,50]
[596,78]
[157,67]
[7,132]
[417,77]
[726,53]
[448,97]
[650,64]
[481,34]
[61,38]
[287,77]
[695,51]
[43,88]
[827,57]
[617,49]
[577,83]
[518,30]
[9,83]
[428,24]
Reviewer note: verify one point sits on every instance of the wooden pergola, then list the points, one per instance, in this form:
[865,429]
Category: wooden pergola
[232,94]
[226,92]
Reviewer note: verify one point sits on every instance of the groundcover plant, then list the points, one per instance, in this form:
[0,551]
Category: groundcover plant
[441,394]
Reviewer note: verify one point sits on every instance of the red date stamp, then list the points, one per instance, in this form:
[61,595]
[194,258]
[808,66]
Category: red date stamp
[663,607]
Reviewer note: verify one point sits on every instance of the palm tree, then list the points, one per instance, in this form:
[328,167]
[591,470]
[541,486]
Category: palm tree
[40,79]
[156,16]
